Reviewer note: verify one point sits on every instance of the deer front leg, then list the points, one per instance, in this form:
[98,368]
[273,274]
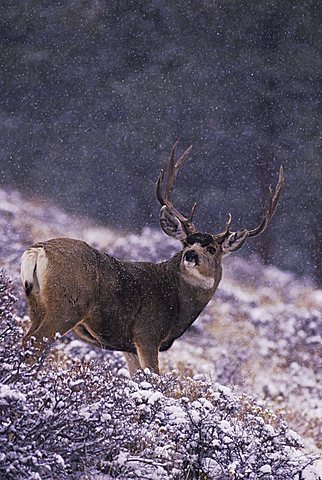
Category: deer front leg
[132,361]
[149,357]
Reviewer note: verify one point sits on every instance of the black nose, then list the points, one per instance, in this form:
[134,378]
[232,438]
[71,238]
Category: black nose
[191,256]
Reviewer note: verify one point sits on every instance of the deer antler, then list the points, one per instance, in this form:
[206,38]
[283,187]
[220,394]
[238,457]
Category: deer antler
[164,192]
[268,213]
[272,205]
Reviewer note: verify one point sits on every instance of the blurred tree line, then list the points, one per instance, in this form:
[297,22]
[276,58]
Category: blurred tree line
[94,94]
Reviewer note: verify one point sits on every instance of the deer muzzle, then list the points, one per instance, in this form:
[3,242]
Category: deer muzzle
[191,258]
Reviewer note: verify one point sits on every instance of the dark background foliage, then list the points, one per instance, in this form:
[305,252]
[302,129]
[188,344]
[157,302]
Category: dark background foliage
[94,93]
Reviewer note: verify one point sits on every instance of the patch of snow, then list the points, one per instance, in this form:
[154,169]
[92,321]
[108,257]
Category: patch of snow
[266,469]
[8,392]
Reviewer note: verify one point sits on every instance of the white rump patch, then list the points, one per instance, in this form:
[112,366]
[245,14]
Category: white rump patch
[33,264]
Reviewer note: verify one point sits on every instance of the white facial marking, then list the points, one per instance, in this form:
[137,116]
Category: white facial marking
[192,276]
[189,264]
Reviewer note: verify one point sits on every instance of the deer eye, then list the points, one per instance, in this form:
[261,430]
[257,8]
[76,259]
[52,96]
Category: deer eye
[211,250]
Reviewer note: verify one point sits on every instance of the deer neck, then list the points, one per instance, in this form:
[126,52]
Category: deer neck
[193,286]
[191,299]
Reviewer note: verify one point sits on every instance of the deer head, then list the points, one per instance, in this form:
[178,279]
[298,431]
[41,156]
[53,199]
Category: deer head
[202,252]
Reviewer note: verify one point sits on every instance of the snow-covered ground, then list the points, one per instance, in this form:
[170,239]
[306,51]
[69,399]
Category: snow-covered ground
[260,338]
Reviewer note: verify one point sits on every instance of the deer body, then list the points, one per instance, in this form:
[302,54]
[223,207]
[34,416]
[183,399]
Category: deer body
[112,304]
[139,308]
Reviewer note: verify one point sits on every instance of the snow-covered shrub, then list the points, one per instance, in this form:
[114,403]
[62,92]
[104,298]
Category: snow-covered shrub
[7,298]
[10,332]
[84,417]
[86,420]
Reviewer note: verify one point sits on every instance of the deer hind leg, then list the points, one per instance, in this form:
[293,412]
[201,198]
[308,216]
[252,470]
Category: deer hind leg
[36,314]
[132,361]
[50,325]
[148,357]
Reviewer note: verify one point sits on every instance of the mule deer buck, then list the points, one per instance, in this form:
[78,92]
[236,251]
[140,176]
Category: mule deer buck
[139,308]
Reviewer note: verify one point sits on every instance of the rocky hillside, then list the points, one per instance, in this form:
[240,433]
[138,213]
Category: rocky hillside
[234,389]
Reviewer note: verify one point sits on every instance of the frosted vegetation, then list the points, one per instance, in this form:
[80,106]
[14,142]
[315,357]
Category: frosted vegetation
[239,397]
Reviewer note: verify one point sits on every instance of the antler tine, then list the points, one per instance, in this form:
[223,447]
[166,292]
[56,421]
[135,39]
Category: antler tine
[171,171]
[192,211]
[159,187]
[222,235]
[270,210]
[174,167]
[164,200]
[228,222]
[164,193]
[183,157]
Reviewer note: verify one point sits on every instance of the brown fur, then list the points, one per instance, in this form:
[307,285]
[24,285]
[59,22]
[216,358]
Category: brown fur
[138,308]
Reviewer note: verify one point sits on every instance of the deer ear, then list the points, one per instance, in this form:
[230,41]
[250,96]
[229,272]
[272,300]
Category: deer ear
[234,241]
[171,225]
